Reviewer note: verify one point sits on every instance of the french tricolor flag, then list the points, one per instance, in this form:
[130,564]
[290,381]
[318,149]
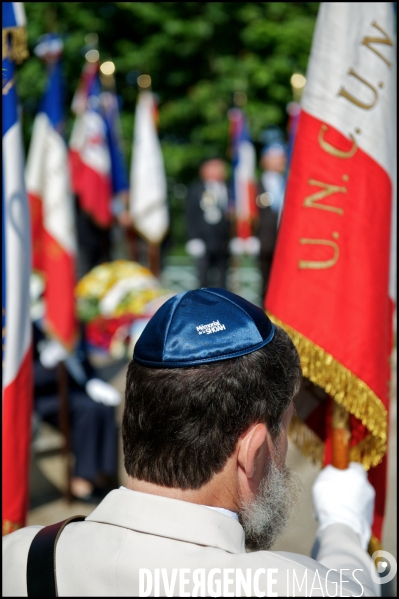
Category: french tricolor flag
[244,164]
[90,159]
[51,201]
[17,382]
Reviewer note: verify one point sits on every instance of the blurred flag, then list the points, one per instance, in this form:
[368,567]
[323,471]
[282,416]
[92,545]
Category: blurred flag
[293,110]
[51,201]
[89,153]
[148,189]
[17,382]
[244,179]
[335,248]
[110,108]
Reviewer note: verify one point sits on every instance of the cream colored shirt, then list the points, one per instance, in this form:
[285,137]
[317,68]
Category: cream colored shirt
[136,544]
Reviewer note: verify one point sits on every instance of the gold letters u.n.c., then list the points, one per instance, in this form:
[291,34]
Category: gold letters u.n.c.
[348,96]
[386,40]
[330,149]
[326,190]
[319,264]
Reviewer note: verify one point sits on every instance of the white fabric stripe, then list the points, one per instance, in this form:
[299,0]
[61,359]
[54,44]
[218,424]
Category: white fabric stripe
[18,259]
[89,138]
[35,159]
[19,13]
[245,174]
[148,190]
[58,212]
[337,47]
[47,176]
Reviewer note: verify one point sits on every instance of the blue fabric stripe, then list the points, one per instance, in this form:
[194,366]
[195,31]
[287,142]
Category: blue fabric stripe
[118,164]
[9,106]
[8,15]
[53,100]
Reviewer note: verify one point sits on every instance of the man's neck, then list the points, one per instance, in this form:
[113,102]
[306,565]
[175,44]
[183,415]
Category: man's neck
[214,493]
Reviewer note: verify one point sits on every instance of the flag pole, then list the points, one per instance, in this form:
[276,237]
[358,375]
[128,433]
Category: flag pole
[154,258]
[65,426]
[340,436]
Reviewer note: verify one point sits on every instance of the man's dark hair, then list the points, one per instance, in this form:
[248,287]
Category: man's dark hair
[180,425]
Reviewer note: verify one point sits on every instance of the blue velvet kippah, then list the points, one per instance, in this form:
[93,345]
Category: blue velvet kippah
[202,326]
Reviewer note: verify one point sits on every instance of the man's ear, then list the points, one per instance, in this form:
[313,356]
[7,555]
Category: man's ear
[252,456]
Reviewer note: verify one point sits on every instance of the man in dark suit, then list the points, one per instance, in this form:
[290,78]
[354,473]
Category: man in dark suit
[208,226]
[270,201]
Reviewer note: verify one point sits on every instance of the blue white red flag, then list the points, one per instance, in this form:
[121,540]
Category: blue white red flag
[244,163]
[17,383]
[51,201]
[90,159]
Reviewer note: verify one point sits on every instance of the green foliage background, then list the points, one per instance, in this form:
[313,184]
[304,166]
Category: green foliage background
[197,53]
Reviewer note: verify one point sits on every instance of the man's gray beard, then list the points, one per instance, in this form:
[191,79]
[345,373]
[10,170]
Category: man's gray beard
[265,517]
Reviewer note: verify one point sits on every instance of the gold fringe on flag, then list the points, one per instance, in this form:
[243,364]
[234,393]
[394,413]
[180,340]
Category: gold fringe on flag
[306,440]
[15,44]
[374,545]
[9,526]
[348,390]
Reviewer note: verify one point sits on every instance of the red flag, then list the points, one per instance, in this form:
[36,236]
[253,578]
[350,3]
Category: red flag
[330,280]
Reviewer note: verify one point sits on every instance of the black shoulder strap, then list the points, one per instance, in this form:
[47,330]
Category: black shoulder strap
[40,572]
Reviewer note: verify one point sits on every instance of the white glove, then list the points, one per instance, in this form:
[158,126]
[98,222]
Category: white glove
[345,497]
[252,246]
[196,248]
[102,392]
[249,246]
[51,353]
[236,246]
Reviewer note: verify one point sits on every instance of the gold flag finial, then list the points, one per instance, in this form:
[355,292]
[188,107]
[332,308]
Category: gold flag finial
[15,44]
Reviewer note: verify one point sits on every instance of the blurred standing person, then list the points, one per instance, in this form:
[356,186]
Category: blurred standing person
[208,226]
[270,201]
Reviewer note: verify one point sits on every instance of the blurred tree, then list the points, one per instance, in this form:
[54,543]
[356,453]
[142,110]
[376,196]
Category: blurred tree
[198,54]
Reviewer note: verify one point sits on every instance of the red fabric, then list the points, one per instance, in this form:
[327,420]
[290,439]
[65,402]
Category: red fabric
[36,218]
[343,308]
[59,267]
[17,416]
[244,227]
[100,331]
[94,190]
